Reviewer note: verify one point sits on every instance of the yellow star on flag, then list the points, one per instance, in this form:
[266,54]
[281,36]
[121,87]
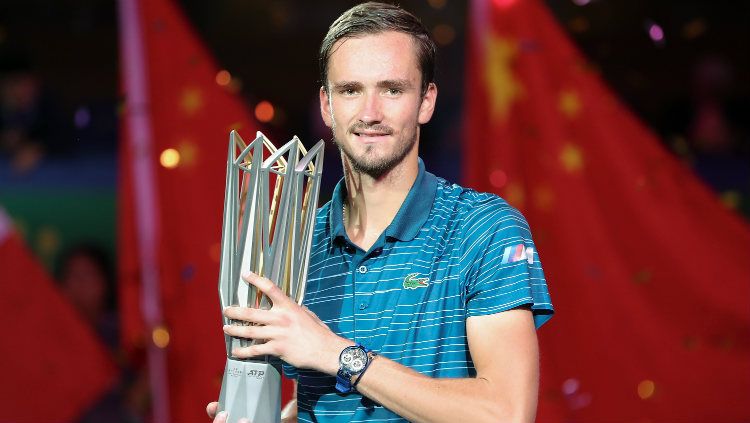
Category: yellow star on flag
[569,103]
[642,276]
[544,198]
[514,194]
[503,86]
[188,153]
[571,158]
[191,100]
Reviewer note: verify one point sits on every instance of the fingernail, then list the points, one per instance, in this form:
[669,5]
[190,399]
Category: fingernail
[226,327]
[222,415]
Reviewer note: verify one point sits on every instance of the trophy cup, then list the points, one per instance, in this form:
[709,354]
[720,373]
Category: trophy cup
[269,212]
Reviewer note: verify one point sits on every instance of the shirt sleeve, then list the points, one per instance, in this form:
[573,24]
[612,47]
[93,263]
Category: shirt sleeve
[290,372]
[503,270]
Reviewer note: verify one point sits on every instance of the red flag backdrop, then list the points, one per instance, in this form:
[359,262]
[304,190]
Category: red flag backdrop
[648,272]
[54,366]
[192,109]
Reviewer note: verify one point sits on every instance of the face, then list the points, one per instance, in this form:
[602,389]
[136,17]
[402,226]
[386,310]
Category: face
[374,104]
[84,284]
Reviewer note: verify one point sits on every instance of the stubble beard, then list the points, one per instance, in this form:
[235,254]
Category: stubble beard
[376,167]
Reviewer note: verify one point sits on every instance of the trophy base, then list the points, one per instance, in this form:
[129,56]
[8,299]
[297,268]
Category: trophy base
[252,390]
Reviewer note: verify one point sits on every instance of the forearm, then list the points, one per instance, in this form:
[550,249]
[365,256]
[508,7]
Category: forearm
[420,398]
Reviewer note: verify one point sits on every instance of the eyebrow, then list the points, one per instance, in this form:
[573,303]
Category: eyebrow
[402,84]
[346,85]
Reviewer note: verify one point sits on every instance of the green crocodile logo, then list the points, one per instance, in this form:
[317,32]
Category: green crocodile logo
[411,281]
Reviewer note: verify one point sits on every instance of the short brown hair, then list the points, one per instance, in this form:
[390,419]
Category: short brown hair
[373,18]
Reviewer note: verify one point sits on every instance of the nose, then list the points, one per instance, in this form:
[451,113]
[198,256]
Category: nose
[372,110]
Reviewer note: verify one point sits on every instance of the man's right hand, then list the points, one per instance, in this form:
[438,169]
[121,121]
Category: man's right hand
[288,415]
[221,417]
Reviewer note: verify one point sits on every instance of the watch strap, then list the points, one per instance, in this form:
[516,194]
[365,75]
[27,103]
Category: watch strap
[344,377]
[370,356]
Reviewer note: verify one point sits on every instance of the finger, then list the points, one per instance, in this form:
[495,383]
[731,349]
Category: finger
[211,409]
[243,420]
[254,350]
[252,315]
[251,332]
[266,286]
[221,417]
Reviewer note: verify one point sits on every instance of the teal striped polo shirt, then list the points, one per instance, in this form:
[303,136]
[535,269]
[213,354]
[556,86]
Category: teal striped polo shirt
[450,253]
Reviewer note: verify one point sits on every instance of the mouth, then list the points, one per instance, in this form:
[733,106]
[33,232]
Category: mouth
[370,136]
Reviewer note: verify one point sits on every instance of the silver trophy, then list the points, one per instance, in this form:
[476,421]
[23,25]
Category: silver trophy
[269,213]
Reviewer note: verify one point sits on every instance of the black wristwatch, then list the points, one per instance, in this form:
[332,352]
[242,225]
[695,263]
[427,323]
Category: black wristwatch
[353,361]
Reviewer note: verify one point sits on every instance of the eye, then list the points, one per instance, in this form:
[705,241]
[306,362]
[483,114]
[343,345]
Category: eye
[394,91]
[348,91]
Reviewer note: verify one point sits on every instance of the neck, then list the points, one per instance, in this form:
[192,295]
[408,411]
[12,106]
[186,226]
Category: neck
[372,203]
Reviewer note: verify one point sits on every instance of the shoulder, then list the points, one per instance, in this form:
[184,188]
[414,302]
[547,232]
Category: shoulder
[476,210]
[483,221]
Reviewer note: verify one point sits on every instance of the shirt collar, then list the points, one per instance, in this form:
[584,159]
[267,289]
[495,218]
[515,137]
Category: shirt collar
[410,217]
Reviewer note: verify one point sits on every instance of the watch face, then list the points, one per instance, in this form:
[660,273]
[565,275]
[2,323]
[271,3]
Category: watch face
[353,359]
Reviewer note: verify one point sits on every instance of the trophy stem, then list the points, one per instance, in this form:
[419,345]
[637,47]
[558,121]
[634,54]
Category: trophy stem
[251,389]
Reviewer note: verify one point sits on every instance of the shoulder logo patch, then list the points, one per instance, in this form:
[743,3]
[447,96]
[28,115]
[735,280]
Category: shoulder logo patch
[518,252]
[411,281]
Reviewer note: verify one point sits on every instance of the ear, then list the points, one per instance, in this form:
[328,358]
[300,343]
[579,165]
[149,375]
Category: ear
[427,107]
[325,107]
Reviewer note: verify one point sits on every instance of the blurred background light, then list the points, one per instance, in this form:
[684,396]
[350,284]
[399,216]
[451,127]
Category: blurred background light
[264,111]
[444,34]
[656,33]
[82,117]
[223,78]
[498,178]
[646,389]
[694,29]
[436,4]
[570,386]
[160,337]
[169,158]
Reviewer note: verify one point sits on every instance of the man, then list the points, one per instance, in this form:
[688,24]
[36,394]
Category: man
[440,285]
